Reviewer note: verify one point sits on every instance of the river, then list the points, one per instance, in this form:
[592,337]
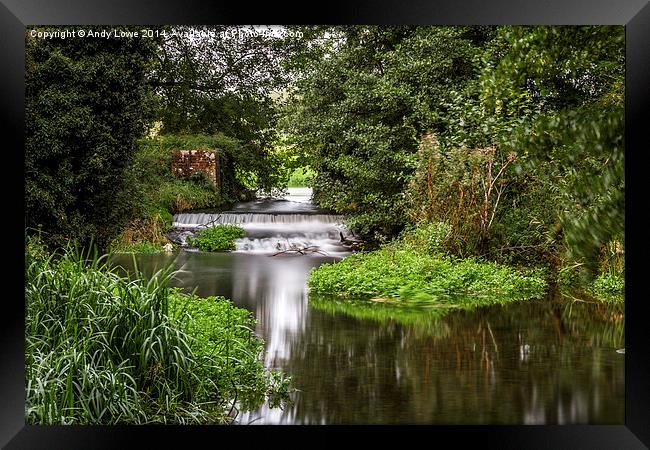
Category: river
[547,361]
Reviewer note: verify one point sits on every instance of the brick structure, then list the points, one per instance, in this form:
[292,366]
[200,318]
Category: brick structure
[187,162]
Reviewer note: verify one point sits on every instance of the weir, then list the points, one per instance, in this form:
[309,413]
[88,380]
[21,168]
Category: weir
[285,224]
[201,219]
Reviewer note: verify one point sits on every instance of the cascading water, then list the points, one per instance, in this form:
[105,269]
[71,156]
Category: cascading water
[290,225]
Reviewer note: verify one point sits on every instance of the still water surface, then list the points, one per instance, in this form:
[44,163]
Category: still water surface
[546,361]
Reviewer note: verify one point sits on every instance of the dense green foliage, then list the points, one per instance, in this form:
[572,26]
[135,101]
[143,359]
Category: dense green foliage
[511,135]
[209,78]
[225,333]
[365,96]
[159,190]
[158,194]
[87,102]
[564,89]
[609,286]
[220,80]
[105,349]
[301,177]
[217,238]
[412,269]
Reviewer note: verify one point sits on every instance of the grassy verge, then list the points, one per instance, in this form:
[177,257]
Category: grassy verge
[144,247]
[104,349]
[411,269]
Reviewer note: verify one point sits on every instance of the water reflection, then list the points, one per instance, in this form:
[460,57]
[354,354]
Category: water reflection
[551,361]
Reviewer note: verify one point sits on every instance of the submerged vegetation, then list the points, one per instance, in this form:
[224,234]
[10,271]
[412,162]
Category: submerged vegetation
[105,349]
[217,238]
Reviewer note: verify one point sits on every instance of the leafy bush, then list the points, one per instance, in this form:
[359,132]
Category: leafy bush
[361,107]
[426,237]
[217,238]
[609,283]
[225,333]
[145,235]
[105,349]
[570,276]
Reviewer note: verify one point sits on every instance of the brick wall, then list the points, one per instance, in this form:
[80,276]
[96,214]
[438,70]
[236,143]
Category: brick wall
[187,162]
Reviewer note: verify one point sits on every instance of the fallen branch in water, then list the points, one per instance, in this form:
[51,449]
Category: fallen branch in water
[293,248]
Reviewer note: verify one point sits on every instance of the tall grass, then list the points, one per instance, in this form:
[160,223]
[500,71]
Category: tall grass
[102,348]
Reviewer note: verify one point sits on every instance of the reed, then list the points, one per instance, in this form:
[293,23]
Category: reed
[104,348]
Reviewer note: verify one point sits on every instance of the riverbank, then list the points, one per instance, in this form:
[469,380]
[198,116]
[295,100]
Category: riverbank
[161,194]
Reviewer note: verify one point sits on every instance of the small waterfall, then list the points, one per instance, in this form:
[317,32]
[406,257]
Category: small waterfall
[195,220]
[273,232]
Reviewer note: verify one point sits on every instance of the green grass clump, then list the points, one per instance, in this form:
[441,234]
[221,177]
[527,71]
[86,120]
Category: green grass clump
[606,287]
[609,283]
[609,287]
[105,349]
[411,269]
[217,238]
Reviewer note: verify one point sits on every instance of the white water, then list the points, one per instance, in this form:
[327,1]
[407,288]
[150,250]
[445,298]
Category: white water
[304,221]
[276,228]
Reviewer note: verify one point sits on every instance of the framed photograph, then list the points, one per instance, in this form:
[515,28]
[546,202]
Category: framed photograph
[403,220]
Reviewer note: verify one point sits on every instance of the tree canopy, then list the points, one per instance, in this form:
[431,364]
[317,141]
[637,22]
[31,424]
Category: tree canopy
[87,102]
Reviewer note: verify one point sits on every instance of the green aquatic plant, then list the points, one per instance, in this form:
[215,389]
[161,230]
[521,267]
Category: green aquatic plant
[413,268]
[217,238]
[407,274]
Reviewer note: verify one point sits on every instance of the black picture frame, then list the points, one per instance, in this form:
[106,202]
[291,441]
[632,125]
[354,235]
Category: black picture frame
[15,15]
